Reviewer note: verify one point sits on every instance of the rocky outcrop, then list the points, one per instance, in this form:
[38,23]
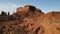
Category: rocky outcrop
[26,8]
[46,24]
[4,16]
[29,11]
[31,20]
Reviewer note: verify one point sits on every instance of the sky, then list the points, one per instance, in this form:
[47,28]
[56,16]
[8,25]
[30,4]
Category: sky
[44,5]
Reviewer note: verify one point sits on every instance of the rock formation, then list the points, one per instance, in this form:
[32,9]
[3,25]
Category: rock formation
[31,20]
[26,8]
[4,16]
[29,11]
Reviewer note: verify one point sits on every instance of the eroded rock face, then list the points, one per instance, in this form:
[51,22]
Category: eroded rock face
[49,21]
[29,20]
[29,11]
[46,24]
[26,8]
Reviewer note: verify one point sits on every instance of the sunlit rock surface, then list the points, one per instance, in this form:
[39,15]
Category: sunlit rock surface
[30,20]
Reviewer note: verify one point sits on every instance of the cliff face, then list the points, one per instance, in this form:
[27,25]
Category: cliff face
[30,20]
[28,11]
[26,8]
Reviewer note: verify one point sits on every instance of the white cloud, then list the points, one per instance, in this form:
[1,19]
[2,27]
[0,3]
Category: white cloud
[8,7]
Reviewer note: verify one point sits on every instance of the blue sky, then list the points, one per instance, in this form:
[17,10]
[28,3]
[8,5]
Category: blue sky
[44,5]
